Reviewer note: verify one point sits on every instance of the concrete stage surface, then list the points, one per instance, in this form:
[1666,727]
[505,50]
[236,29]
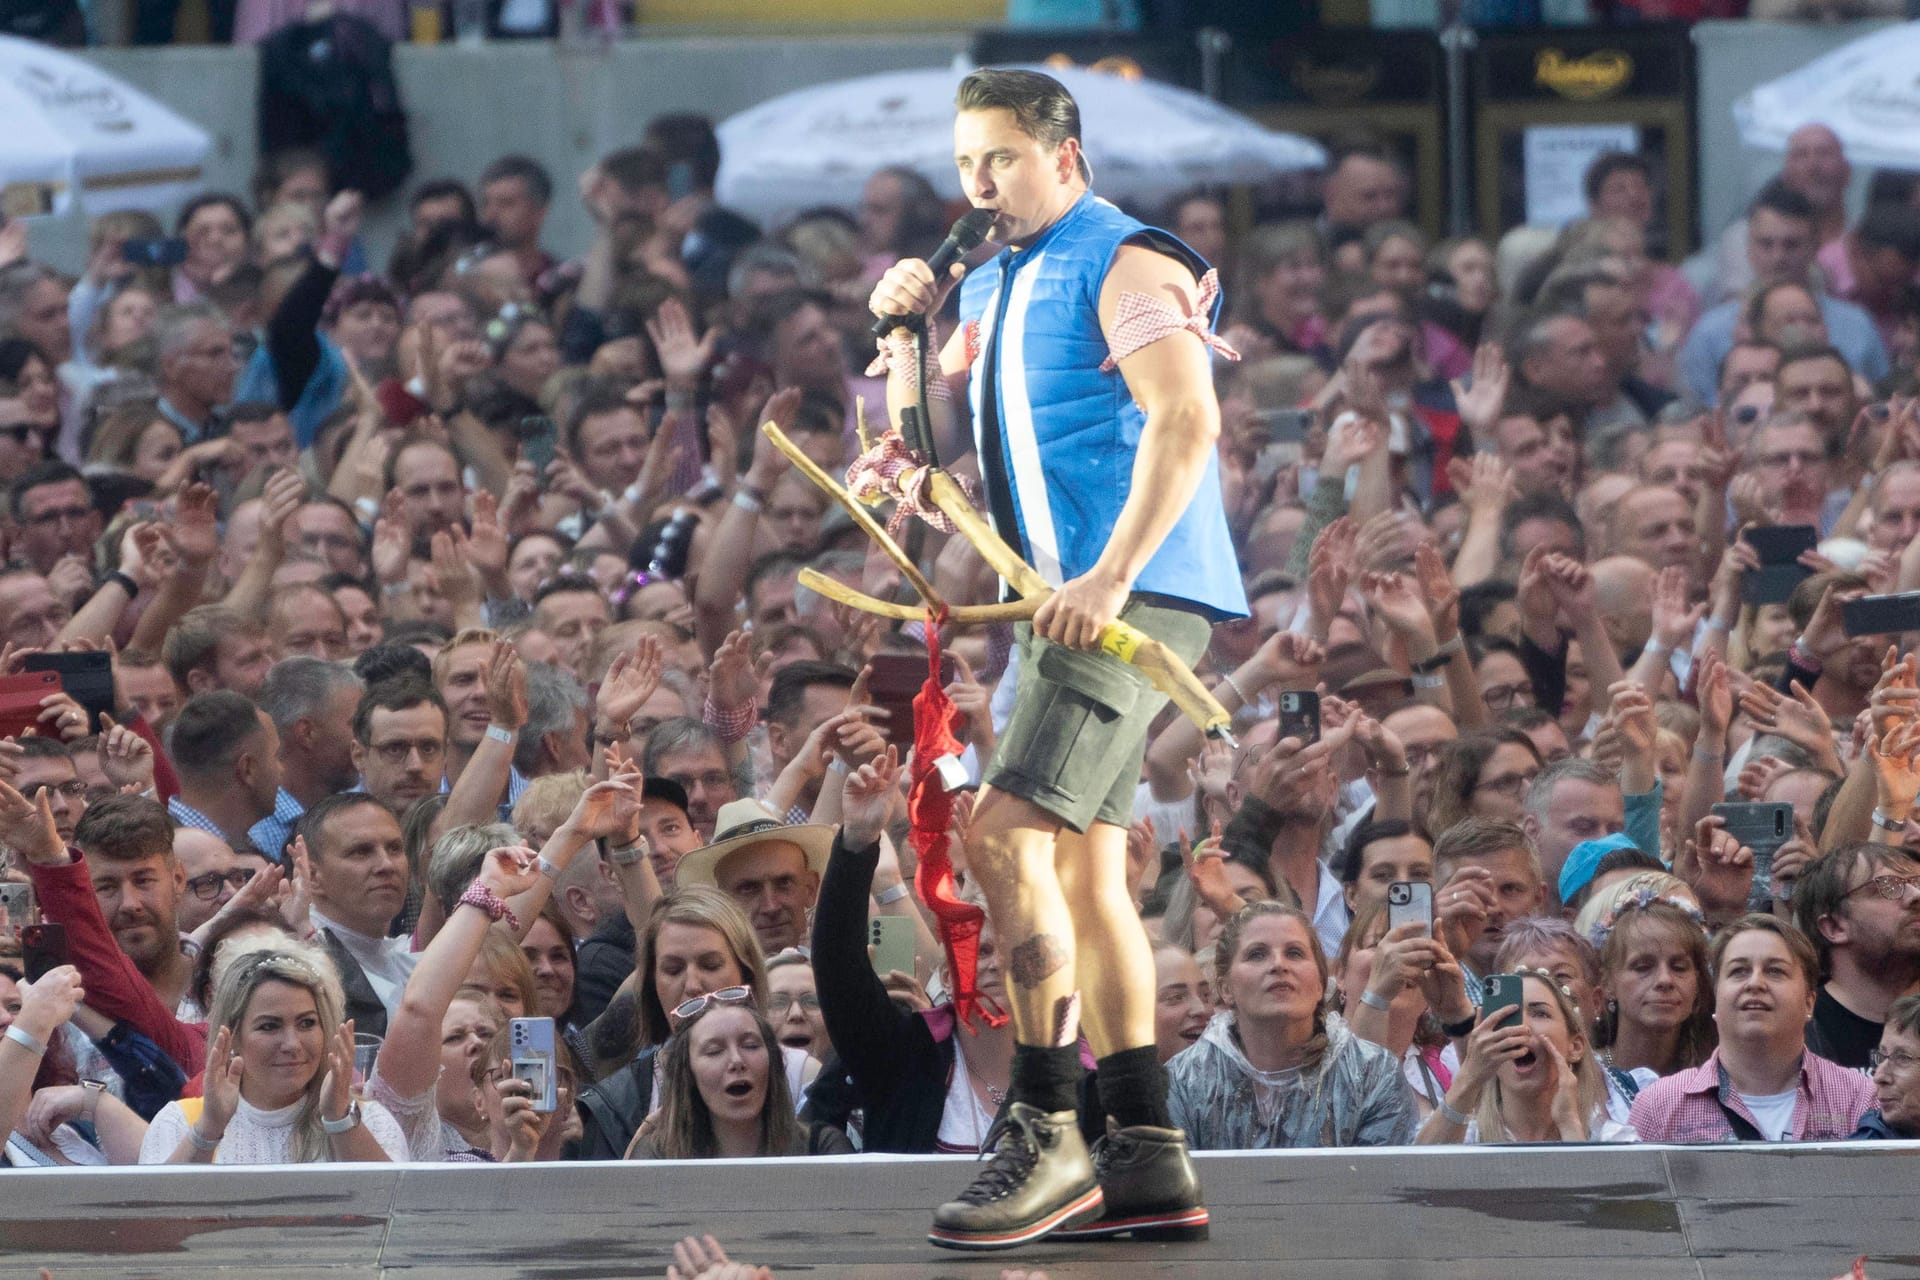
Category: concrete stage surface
[1521,1213]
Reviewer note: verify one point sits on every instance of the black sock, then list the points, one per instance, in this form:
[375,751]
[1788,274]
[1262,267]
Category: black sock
[1133,1087]
[1046,1078]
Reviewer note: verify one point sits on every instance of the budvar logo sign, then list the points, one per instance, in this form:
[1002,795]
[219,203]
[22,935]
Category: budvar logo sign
[95,101]
[1895,106]
[1599,74]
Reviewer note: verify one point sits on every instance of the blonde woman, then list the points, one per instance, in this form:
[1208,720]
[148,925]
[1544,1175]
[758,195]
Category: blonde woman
[1534,1081]
[279,1073]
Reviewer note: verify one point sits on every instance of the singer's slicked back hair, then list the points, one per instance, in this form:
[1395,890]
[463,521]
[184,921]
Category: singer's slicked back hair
[1042,108]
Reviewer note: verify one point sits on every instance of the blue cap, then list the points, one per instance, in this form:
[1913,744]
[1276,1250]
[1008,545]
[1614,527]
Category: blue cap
[1577,873]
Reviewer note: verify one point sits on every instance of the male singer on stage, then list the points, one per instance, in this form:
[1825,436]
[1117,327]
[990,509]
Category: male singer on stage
[1086,342]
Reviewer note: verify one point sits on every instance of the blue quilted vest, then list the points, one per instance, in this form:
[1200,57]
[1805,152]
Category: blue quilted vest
[1068,432]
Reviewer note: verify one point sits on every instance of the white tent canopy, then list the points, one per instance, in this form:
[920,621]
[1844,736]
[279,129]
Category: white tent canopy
[1143,139]
[72,132]
[1867,92]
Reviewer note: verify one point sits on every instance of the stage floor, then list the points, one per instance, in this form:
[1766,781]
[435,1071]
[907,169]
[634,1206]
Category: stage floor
[1611,1213]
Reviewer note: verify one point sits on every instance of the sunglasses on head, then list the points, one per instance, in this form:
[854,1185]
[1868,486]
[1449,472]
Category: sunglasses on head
[687,1010]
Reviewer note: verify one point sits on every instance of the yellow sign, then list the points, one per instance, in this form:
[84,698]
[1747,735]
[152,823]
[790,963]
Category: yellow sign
[1336,84]
[1598,75]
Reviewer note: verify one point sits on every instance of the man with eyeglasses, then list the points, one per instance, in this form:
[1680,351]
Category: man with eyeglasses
[1860,904]
[1895,1066]
[198,367]
[1791,458]
[400,742]
[53,517]
[45,765]
[227,754]
[214,873]
[687,752]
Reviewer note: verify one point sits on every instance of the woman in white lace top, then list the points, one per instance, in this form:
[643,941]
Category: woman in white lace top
[279,1073]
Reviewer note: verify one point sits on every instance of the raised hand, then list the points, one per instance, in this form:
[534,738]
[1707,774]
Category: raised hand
[1717,866]
[27,827]
[731,679]
[631,679]
[607,809]
[1673,621]
[506,687]
[1288,660]
[1484,483]
[336,1091]
[866,799]
[125,757]
[1479,403]
[221,1086]
[1329,569]
[684,356]
[510,870]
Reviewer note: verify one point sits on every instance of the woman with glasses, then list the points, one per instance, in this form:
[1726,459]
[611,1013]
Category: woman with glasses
[1501,675]
[697,942]
[1482,775]
[721,1095]
[1896,1075]
[793,1005]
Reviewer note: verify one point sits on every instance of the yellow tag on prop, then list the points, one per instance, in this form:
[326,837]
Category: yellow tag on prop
[1122,640]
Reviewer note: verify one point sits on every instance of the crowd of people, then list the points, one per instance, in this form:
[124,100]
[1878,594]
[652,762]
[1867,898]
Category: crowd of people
[461,672]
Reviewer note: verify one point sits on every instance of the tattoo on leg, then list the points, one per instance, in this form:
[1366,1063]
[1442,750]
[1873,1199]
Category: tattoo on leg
[1036,960]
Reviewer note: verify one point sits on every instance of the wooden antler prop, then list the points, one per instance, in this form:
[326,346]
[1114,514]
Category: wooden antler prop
[933,494]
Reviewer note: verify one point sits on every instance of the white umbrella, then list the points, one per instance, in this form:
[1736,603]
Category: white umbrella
[1867,92]
[1144,139]
[73,130]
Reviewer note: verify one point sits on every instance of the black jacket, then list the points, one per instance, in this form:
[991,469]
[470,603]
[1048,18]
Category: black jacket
[897,1062]
[363,1003]
[604,961]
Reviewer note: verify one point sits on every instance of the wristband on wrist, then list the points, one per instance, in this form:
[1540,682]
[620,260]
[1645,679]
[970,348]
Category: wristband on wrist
[395,588]
[747,500]
[1656,646]
[25,1039]
[630,854]
[1439,657]
[200,1142]
[345,1124]
[479,895]
[1226,678]
[1718,624]
[1464,1027]
[1708,755]
[886,897]
[1374,1000]
[546,868]
[499,734]
[1880,820]
[126,582]
[1797,653]
[1424,680]
[1453,1116]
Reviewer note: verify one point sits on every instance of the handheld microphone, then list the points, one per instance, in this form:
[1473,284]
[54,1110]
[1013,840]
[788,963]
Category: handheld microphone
[967,235]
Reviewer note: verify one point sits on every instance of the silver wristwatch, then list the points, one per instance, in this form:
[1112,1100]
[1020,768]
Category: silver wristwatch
[347,1122]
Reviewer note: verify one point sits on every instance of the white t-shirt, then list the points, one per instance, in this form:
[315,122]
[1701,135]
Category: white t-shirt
[1772,1112]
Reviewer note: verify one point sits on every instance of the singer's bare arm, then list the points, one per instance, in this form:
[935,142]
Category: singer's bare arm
[908,288]
[1172,380]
